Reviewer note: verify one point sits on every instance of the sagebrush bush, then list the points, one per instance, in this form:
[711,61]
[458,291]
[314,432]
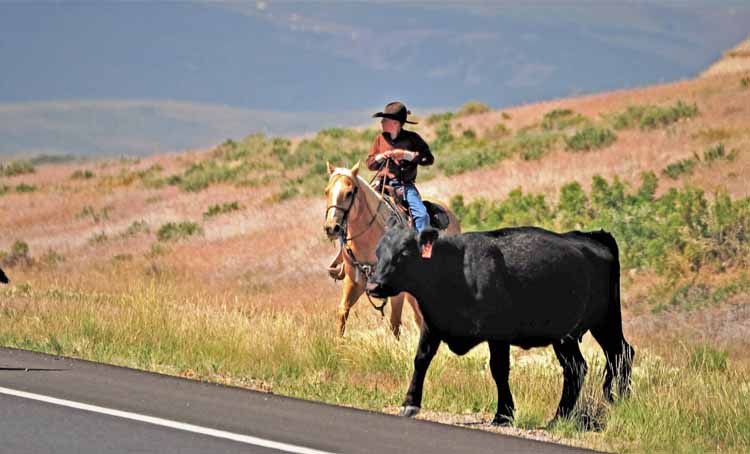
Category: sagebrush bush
[175,231]
[14,168]
[648,229]
[590,138]
[559,119]
[652,117]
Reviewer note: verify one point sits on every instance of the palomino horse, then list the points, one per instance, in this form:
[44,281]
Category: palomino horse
[357,215]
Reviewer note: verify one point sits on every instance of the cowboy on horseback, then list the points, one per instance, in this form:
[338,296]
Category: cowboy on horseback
[395,155]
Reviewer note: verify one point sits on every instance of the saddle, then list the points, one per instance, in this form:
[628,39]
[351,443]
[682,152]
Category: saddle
[439,218]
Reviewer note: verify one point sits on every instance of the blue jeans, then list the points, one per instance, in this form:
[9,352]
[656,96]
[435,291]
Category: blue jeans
[416,206]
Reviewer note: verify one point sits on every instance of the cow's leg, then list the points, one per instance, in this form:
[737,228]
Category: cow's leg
[397,307]
[415,307]
[574,371]
[428,346]
[500,367]
[619,355]
[349,295]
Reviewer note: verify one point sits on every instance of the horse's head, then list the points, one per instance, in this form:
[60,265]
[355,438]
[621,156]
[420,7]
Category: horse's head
[340,192]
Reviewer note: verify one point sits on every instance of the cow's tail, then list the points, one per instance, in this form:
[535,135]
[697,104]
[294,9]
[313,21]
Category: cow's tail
[619,353]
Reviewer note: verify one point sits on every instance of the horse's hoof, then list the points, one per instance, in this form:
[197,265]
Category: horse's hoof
[409,411]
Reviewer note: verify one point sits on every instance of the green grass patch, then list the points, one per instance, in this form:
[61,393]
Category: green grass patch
[651,117]
[82,174]
[173,231]
[223,208]
[23,187]
[679,168]
[681,229]
[590,138]
[14,168]
[561,119]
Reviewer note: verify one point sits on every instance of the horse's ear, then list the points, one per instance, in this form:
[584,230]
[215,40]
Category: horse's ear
[331,168]
[355,169]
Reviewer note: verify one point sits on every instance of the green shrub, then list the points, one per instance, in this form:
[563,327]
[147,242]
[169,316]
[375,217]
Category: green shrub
[652,117]
[497,132]
[745,82]
[82,175]
[175,231]
[136,228]
[4,189]
[648,229]
[215,210]
[472,108]
[23,187]
[681,167]
[559,119]
[590,138]
[655,117]
[18,254]
[439,118]
[532,145]
[718,152]
[14,168]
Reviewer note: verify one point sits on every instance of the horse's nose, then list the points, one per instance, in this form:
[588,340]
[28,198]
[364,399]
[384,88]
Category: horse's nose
[332,230]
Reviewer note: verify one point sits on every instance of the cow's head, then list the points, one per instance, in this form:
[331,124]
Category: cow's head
[398,252]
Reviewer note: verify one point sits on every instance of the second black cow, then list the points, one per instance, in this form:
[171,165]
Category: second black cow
[520,286]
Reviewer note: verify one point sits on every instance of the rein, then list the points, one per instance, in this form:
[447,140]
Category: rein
[364,268]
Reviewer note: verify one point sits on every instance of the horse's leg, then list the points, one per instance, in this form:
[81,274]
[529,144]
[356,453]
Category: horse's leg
[397,306]
[349,295]
[415,307]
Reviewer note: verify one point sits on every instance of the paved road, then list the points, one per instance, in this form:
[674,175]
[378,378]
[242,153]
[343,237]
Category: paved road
[60,405]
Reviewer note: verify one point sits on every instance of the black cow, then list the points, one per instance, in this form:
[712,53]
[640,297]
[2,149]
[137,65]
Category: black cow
[522,286]
[3,278]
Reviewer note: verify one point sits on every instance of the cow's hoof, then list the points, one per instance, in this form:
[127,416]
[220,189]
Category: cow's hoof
[502,421]
[409,411]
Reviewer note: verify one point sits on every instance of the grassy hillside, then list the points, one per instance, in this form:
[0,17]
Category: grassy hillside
[210,264]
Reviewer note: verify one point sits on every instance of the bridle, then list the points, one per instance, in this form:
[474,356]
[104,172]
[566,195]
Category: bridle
[364,268]
[345,217]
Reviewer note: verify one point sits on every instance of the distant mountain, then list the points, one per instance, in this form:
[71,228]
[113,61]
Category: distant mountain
[139,78]
[131,128]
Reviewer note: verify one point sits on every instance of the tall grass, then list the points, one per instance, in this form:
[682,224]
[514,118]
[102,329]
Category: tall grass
[700,404]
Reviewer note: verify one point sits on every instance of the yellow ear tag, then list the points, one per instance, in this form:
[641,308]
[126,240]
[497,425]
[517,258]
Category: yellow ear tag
[427,251]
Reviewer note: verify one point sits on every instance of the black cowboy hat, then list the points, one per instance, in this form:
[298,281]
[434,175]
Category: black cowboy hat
[395,111]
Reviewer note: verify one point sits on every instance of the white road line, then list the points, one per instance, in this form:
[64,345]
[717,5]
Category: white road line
[166,423]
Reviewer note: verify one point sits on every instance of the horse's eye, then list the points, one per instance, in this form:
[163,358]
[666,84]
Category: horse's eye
[348,194]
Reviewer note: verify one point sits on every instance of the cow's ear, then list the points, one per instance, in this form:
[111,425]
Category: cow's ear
[427,236]
[331,168]
[355,169]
